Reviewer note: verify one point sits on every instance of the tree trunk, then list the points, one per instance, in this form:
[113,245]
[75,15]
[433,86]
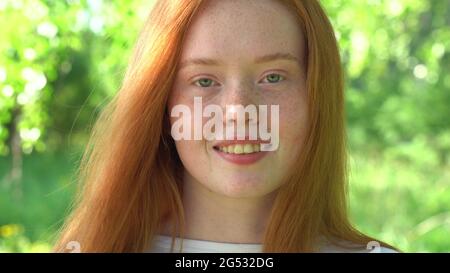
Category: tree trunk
[14,177]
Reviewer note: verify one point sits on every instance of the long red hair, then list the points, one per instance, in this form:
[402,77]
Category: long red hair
[130,172]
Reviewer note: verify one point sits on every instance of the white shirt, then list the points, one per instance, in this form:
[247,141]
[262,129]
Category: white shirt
[162,244]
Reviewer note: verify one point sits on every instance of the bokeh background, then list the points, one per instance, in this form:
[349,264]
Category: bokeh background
[62,60]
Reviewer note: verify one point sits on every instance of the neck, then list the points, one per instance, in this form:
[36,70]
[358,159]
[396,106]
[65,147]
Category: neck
[215,217]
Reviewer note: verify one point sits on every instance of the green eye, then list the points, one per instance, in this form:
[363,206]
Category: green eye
[274,78]
[204,82]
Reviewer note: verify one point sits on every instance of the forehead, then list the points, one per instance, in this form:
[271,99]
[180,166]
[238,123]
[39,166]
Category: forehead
[240,30]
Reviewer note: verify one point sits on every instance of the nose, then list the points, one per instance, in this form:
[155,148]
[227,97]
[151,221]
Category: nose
[241,111]
[234,112]
[239,99]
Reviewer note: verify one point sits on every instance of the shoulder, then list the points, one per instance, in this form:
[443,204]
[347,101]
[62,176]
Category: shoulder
[388,250]
[349,247]
[356,249]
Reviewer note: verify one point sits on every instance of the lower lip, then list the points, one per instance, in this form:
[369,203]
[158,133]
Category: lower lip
[241,159]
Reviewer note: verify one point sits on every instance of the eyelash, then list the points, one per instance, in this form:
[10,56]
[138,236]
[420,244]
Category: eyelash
[282,78]
[196,82]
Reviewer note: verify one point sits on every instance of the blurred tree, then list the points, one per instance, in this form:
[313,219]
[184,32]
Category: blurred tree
[34,43]
[395,54]
[54,55]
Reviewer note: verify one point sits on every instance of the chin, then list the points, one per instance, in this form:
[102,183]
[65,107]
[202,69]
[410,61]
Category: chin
[240,185]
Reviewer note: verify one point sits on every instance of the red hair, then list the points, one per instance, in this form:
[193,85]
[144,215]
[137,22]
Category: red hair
[130,172]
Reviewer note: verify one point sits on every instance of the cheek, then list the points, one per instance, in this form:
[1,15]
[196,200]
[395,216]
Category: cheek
[186,152]
[194,158]
[293,123]
[192,153]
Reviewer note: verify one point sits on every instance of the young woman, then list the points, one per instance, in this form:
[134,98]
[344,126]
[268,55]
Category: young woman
[144,191]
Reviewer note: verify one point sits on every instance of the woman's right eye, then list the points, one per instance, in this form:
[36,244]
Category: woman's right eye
[204,82]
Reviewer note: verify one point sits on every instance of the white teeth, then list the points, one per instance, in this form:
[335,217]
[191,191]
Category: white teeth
[240,148]
[256,147]
[248,148]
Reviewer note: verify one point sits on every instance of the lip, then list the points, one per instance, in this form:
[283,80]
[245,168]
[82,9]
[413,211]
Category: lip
[240,159]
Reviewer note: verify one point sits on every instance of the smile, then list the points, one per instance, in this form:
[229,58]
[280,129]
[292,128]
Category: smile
[240,152]
[239,148]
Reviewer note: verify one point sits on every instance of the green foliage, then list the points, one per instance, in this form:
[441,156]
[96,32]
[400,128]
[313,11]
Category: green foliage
[400,202]
[33,48]
[395,54]
[45,197]
[54,56]
[12,239]
[60,61]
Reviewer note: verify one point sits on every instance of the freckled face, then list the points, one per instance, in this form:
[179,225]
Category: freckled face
[248,53]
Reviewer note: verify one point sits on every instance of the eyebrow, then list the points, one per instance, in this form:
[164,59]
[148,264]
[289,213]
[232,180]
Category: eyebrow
[259,60]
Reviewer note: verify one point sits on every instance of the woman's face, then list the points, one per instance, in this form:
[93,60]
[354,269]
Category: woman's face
[243,52]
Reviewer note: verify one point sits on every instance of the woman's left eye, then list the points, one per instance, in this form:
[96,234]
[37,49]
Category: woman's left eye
[273,78]
[204,82]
